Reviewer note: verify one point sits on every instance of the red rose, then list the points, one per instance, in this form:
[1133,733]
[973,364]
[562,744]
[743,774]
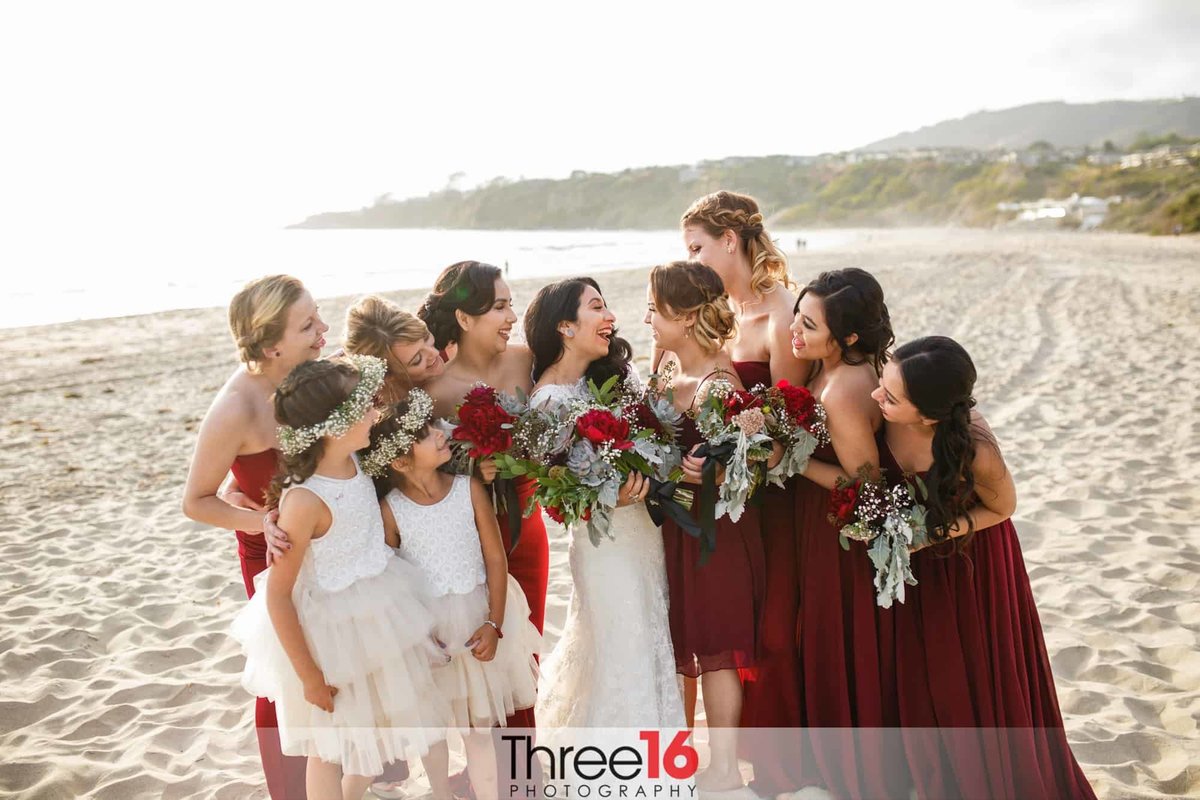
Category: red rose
[555,513]
[841,504]
[600,426]
[481,422]
[587,514]
[799,402]
[739,401]
[481,395]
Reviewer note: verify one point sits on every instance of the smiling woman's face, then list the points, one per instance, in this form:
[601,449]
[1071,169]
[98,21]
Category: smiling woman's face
[593,326]
[421,360]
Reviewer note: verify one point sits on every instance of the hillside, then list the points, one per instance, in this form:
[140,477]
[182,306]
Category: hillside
[800,193]
[1061,124]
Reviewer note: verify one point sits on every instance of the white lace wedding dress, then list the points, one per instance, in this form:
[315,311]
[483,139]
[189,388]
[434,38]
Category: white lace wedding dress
[614,666]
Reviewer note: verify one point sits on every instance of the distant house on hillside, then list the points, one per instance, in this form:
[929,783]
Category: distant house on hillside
[1164,156]
[1086,212]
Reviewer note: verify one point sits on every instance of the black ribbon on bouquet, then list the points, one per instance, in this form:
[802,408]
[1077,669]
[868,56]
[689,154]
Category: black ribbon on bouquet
[713,456]
[509,504]
[661,504]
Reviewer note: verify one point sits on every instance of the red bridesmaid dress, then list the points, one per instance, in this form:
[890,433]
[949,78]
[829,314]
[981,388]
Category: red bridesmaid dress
[529,563]
[847,681]
[771,697]
[974,677]
[285,774]
[714,608]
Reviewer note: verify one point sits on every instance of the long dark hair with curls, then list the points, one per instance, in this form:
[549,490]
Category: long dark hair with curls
[307,396]
[939,377]
[388,425]
[469,287]
[853,302]
[559,302]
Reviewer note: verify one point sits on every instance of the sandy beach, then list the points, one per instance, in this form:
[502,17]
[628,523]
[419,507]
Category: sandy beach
[117,678]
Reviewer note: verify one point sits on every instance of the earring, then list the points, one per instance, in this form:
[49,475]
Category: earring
[687,332]
[570,333]
[728,249]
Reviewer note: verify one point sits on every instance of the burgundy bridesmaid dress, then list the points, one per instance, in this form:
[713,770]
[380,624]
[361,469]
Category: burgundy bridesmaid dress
[714,607]
[771,696]
[847,682]
[976,692]
[285,774]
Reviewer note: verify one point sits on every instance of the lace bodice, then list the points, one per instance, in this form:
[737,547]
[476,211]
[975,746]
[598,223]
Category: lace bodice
[441,539]
[354,545]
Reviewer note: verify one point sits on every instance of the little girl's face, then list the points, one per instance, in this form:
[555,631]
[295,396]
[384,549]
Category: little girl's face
[429,453]
[359,435]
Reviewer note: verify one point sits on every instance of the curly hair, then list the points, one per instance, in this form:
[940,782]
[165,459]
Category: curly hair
[467,286]
[258,315]
[307,396]
[854,304]
[685,287]
[374,325]
[729,211]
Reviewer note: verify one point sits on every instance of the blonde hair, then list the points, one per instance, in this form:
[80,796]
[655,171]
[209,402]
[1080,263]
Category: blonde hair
[684,287]
[729,211]
[258,315]
[374,325]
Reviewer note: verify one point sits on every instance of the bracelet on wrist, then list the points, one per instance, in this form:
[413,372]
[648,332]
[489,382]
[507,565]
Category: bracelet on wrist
[499,633]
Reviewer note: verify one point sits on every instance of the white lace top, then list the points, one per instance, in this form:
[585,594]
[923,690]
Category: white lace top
[354,545]
[441,539]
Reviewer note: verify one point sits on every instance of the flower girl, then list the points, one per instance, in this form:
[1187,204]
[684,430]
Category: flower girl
[447,528]
[339,639]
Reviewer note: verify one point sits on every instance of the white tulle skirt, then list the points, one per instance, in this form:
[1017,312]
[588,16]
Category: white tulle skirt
[372,641]
[482,694]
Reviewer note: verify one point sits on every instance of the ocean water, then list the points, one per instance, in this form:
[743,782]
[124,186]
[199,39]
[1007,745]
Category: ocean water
[118,273]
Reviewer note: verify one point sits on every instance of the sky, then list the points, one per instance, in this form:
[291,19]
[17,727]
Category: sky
[257,114]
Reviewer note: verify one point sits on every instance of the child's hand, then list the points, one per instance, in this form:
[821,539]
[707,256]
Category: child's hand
[483,642]
[487,469]
[320,694]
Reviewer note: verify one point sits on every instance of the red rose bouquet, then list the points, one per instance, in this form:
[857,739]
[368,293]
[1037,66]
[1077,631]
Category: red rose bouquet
[795,419]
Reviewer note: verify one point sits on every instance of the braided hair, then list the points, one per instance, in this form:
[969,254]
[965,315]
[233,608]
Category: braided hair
[854,304]
[469,287]
[684,287]
[939,378]
[729,211]
[307,396]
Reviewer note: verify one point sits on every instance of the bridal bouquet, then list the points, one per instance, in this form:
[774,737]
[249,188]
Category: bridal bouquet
[734,426]
[581,452]
[890,520]
[795,419]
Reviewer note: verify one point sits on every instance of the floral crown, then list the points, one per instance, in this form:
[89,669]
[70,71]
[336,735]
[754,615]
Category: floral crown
[391,447]
[371,372]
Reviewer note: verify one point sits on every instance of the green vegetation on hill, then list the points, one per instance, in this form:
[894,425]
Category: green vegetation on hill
[800,193]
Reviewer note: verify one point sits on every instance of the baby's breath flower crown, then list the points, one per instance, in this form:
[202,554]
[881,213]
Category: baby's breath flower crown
[371,372]
[388,449]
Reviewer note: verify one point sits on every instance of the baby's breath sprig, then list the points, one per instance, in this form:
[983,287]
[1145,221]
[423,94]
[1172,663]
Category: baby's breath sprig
[388,449]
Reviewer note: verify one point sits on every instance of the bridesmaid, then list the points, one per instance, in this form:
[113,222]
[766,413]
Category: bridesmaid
[714,607]
[471,308]
[725,231]
[276,326]
[846,679]
[969,651]
[378,327]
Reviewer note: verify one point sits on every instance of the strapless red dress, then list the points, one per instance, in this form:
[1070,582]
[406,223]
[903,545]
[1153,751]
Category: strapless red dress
[529,563]
[714,607]
[975,688]
[284,774]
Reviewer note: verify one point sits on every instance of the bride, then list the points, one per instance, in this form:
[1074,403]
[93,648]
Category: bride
[613,667]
